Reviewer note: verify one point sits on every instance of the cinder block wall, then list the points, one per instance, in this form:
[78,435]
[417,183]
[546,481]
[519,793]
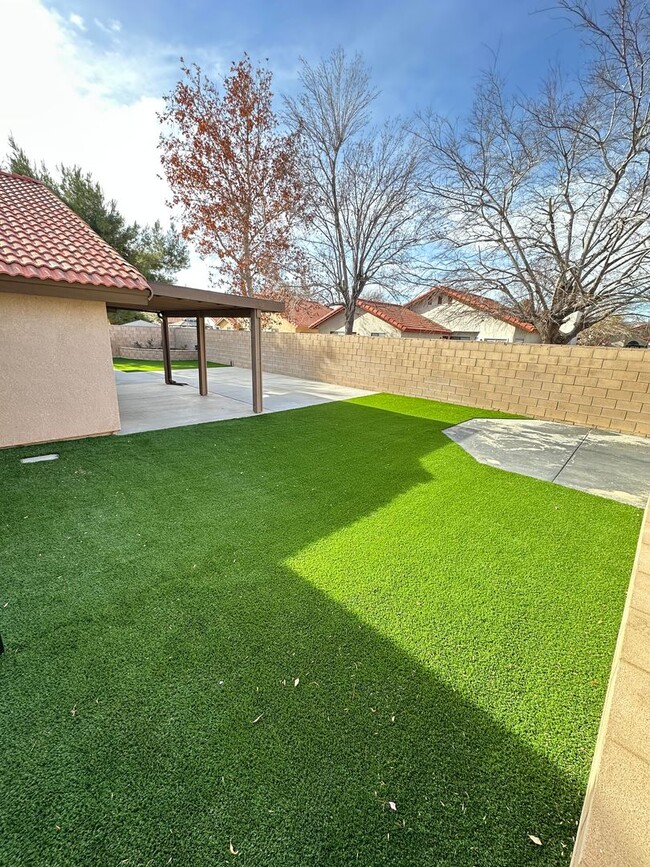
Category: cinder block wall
[602,387]
[126,336]
[156,354]
[598,386]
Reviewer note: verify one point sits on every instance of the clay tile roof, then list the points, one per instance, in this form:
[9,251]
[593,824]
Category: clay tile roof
[329,311]
[481,303]
[402,318]
[399,317]
[302,312]
[42,239]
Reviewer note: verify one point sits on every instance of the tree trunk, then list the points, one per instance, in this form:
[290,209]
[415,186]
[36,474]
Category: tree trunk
[550,333]
[349,317]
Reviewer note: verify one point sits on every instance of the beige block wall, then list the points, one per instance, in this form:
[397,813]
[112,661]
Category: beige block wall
[603,387]
[125,336]
[56,372]
[614,829]
[156,354]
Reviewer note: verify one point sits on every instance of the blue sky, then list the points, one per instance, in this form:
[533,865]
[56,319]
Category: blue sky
[421,52]
[92,72]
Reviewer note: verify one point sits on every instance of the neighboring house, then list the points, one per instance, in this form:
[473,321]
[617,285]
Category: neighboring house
[139,323]
[639,337]
[472,317]
[297,316]
[57,278]
[190,322]
[380,319]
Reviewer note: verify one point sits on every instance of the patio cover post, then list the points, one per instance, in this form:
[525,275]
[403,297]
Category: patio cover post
[203,361]
[167,362]
[256,358]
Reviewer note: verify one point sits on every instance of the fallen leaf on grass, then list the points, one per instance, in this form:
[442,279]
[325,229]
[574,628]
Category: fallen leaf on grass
[534,839]
[257,719]
[296,681]
[232,849]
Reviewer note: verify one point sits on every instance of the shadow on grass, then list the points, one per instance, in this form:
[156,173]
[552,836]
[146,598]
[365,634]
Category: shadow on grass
[172,687]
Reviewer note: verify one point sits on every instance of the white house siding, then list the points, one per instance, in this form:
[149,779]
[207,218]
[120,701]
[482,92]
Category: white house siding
[472,324]
[367,325]
[522,336]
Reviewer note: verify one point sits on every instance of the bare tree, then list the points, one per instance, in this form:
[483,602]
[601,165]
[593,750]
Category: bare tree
[614,329]
[546,201]
[367,214]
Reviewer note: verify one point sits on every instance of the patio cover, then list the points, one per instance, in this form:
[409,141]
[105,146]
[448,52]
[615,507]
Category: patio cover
[167,300]
[170,300]
[46,249]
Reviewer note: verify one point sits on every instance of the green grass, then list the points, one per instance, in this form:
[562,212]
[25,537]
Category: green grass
[134,365]
[266,630]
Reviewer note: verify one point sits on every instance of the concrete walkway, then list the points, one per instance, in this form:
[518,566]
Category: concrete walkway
[610,465]
[146,403]
[614,828]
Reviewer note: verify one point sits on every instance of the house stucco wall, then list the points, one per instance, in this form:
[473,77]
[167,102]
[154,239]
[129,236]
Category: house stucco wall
[459,317]
[366,325]
[56,368]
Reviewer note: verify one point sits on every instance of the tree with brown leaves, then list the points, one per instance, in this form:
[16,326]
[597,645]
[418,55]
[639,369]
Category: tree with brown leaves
[233,175]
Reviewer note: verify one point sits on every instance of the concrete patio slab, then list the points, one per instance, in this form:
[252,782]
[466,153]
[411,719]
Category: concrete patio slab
[280,392]
[607,464]
[146,403]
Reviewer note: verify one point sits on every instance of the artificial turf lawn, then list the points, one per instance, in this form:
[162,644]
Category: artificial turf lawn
[135,365]
[264,631]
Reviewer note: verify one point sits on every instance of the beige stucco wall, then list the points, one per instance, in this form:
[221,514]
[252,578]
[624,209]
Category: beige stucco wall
[56,372]
[460,317]
[365,325]
[275,322]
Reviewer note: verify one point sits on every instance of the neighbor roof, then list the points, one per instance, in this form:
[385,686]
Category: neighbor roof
[478,302]
[399,317]
[41,238]
[303,312]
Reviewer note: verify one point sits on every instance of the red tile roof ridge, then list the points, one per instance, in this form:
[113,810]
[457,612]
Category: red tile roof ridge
[401,317]
[478,302]
[396,315]
[21,177]
[332,312]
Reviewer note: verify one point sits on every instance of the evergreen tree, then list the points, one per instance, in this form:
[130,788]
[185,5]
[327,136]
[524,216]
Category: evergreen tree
[157,253]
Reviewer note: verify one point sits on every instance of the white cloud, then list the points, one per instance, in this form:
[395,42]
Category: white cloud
[77,20]
[112,26]
[67,100]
